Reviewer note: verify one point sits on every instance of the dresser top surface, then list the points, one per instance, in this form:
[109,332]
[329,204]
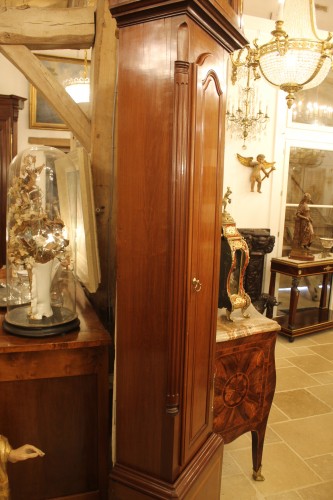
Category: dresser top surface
[318,260]
[90,333]
[243,327]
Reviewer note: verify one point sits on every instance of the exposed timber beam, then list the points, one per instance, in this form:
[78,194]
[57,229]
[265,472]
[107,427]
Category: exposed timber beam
[103,88]
[47,28]
[37,74]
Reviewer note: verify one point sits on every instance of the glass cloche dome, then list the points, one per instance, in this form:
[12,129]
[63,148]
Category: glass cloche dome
[41,256]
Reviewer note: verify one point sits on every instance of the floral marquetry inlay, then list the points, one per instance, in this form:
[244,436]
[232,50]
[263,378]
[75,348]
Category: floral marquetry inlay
[239,388]
[235,390]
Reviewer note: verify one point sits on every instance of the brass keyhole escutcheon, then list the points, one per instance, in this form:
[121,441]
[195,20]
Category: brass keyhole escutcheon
[196,285]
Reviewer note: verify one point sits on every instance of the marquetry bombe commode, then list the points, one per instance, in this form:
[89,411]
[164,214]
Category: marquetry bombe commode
[244,378]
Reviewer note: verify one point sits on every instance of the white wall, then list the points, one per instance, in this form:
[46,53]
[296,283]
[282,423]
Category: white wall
[267,210]
[13,82]
[253,209]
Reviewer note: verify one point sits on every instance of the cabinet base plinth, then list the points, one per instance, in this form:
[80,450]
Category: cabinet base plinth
[201,479]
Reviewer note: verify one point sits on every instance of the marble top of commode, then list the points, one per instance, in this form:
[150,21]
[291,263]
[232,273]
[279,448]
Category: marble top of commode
[243,327]
[317,258]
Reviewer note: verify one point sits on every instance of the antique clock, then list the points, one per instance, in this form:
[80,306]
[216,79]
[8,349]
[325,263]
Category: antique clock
[233,264]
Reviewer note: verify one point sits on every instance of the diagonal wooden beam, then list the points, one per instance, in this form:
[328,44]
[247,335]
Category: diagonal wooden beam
[37,74]
[48,28]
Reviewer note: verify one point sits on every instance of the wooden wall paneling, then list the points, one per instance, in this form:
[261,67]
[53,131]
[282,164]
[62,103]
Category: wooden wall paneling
[68,436]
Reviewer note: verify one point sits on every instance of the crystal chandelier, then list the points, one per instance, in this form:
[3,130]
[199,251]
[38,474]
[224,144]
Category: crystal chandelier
[248,119]
[296,58]
[79,87]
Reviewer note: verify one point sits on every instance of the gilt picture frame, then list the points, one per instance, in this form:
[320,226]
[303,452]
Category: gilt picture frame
[42,115]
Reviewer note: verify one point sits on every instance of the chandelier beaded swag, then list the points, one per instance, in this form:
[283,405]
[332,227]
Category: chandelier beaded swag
[296,58]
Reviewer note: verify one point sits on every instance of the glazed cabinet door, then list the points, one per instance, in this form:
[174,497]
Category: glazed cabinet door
[204,250]
[5,158]
[9,109]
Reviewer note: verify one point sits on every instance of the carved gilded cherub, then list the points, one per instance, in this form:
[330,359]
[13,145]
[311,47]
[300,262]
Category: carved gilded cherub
[259,165]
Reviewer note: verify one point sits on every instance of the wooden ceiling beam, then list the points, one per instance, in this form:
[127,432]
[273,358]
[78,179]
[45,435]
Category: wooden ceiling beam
[103,153]
[37,74]
[39,29]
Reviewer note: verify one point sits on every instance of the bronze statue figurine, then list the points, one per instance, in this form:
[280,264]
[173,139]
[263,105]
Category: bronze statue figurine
[226,199]
[303,231]
[9,454]
[259,165]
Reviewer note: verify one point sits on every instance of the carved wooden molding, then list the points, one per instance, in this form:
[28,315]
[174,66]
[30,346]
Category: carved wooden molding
[178,271]
[215,17]
[157,488]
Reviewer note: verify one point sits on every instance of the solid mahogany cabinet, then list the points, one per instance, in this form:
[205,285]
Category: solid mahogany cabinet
[10,105]
[54,395]
[171,109]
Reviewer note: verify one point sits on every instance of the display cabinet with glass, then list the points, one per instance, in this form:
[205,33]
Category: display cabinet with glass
[310,171]
[314,107]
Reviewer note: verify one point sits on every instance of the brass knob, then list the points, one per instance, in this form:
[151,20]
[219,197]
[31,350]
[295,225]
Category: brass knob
[196,285]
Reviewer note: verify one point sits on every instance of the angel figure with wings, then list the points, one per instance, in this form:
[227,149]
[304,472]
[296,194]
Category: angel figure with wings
[259,165]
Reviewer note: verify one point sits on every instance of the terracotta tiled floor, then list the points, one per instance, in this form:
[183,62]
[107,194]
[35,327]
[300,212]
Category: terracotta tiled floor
[298,451]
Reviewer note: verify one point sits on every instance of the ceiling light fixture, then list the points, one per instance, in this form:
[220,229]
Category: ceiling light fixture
[296,58]
[79,87]
[244,114]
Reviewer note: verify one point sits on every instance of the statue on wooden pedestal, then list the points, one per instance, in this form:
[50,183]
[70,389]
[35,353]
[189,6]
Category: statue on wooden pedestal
[303,231]
[8,454]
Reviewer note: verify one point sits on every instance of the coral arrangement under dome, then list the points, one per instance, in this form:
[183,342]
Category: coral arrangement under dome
[33,235]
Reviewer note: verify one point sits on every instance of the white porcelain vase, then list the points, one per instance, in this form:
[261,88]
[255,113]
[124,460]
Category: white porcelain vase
[41,279]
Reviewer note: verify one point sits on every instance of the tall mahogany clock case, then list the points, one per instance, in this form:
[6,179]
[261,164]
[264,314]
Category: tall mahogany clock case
[171,109]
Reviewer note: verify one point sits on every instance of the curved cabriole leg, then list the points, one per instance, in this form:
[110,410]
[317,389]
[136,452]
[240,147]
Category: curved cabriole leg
[258,438]
[244,313]
[257,476]
[228,313]
[247,304]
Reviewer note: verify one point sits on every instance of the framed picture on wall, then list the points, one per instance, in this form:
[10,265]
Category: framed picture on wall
[42,114]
